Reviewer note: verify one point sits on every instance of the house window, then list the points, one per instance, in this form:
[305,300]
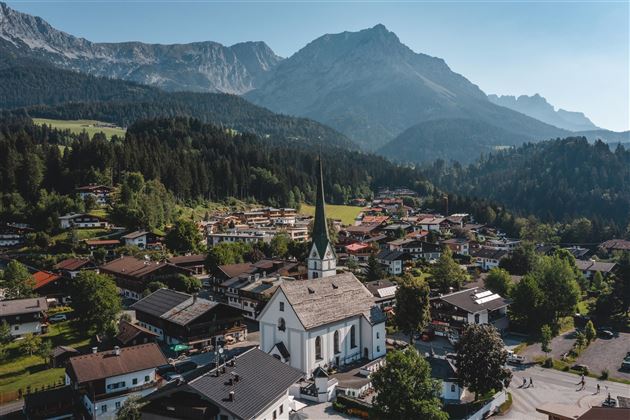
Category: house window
[353,338]
[117,405]
[134,381]
[281,408]
[378,335]
[281,324]
[452,387]
[147,378]
[274,415]
[378,349]
[104,408]
[17,327]
[318,348]
[476,318]
[281,306]
[336,341]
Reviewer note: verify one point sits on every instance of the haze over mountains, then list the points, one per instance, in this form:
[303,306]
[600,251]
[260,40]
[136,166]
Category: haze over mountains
[367,85]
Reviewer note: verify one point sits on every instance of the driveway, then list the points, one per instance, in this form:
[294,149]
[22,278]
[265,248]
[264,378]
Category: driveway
[325,410]
[555,387]
[607,354]
[559,345]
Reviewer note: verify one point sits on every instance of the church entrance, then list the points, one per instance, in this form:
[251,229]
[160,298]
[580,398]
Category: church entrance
[366,353]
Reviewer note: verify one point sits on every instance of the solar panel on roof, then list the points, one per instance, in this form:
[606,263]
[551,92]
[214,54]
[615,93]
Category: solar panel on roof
[482,294]
[487,298]
[387,291]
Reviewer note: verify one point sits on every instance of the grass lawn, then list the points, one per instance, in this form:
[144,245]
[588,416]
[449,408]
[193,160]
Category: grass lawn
[20,371]
[347,214]
[78,126]
[82,234]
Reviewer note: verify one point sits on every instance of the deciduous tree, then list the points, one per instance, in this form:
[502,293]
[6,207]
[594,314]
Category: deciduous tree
[17,281]
[446,273]
[499,281]
[412,305]
[95,300]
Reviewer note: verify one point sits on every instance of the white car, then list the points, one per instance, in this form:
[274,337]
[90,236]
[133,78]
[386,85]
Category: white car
[57,318]
[514,359]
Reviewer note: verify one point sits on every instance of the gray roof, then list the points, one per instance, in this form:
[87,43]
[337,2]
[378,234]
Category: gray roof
[442,368]
[262,380]
[489,253]
[394,255]
[177,307]
[330,299]
[23,306]
[603,267]
[465,299]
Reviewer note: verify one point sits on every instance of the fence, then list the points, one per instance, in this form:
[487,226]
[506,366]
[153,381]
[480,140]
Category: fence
[9,396]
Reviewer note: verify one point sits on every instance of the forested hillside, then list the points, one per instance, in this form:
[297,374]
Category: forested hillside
[194,161]
[555,180]
[49,92]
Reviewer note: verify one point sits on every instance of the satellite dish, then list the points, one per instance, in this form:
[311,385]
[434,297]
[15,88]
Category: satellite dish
[221,350]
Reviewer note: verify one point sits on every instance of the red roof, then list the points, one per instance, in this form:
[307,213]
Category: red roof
[42,278]
[356,247]
[71,264]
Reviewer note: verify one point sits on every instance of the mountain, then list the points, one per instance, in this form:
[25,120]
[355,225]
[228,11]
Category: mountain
[47,91]
[457,139]
[606,136]
[198,67]
[371,87]
[555,180]
[537,107]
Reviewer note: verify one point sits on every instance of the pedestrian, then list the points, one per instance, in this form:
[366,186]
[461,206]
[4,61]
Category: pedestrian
[531,382]
[598,388]
[524,383]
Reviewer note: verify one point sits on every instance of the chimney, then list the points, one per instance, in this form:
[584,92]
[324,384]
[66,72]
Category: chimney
[236,377]
[231,396]
[117,350]
[94,349]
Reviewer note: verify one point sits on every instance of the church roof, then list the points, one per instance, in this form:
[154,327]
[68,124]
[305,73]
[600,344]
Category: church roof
[331,299]
[320,227]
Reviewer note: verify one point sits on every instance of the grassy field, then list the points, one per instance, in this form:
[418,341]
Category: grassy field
[81,234]
[78,126]
[20,371]
[347,214]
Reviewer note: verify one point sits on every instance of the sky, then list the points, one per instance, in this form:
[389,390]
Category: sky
[574,53]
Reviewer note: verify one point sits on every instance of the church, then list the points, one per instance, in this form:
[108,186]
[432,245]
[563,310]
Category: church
[328,320]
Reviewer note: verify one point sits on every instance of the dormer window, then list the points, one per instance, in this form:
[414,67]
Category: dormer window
[281,306]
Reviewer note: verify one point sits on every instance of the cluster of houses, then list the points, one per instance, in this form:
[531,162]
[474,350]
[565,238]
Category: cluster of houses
[321,330]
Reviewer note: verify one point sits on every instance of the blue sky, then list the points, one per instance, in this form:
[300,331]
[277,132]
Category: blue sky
[576,54]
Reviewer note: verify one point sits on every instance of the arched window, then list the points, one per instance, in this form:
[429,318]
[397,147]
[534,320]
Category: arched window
[318,348]
[336,341]
[281,324]
[353,337]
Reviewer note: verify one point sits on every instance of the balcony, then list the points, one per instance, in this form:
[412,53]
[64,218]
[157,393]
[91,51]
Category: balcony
[130,390]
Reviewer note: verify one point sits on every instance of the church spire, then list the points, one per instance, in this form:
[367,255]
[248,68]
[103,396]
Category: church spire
[322,261]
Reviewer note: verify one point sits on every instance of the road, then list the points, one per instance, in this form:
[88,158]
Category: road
[554,386]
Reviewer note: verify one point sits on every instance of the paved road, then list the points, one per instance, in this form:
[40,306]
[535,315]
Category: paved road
[555,386]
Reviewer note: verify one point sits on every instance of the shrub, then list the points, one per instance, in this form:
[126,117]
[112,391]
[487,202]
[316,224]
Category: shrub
[337,406]
[548,362]
[604,374]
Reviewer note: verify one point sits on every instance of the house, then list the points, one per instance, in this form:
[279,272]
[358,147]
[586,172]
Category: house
[61,354]
[133,334]
[503,244]
[224,275]
[393,260]
[70,267]
[612,245]
[251,386]
[384,292]
[590,267]
[558,411]
[240,235]
[395,229]
[362,232]
[24,316]
[250,293]
[107,244]
[55,403]
[132,275]
[196,263]
[138,238]
[359,251]
[579,253]
[488,258]
[182,319]
[449,313]
[458,245]
[435,224]
[48,284]
[444,370]
[101,193]
[103,381]
[82,221]
[324,322]
[416,248]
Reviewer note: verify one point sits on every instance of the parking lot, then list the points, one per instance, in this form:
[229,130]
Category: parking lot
[559,345]
[607,354]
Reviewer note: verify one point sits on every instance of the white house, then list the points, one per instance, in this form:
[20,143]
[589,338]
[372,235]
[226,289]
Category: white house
[82,221]
[105,380]
[393,260]
[488,258]
[24,316]
[445,371]
[332,321]
[137,238]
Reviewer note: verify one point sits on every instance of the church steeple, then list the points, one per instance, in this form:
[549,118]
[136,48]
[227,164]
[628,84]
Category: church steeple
[322,261]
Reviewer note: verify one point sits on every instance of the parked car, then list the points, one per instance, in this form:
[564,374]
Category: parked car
[515,359]
[625,364]
[580,368]
[603,333]
[172,376]
[165,369]
[57,318]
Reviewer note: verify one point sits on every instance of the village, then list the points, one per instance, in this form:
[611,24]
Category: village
[268,313]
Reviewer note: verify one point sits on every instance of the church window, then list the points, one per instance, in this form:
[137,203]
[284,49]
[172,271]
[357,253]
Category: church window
[336,341]
[353,337]
[318,348]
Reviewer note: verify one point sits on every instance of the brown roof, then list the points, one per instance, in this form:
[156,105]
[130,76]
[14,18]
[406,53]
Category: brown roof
[608,413]
[233,270]
[188,259]
[71,264]
[129,331]
[616,244]
[42,278]
[96,242]
[23,306]
[330,299]
[133,267]
[105,364]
